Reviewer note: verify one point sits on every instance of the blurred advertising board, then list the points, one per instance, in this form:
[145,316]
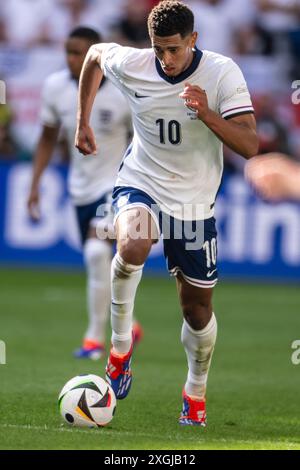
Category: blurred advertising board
[255,239]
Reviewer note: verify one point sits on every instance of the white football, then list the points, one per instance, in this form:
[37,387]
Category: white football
[87,401]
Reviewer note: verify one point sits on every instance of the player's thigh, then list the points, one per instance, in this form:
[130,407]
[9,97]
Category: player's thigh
[100,233]
[93,233]
[95,220]
[136,232]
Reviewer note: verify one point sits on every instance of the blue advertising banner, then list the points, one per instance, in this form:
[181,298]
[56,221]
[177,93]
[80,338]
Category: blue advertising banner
[255,239]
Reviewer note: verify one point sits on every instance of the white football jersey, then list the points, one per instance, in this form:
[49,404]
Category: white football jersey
[91,176]
[175,157]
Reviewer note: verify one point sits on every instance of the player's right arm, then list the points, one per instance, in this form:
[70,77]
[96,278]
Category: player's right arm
[89,82]
[43,153]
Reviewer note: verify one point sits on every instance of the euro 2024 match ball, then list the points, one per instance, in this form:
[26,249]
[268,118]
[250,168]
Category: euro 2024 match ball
[87,401]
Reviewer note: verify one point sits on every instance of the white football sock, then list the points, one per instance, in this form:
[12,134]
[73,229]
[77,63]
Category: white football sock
[97,256]
[199,347]
[125,280]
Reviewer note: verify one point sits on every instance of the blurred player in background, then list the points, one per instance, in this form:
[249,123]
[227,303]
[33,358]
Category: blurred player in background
[275,176]
[175,162]
[90,180]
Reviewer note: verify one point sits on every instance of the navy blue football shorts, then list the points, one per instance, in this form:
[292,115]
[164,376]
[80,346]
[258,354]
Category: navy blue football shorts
[190,247]
[91,215]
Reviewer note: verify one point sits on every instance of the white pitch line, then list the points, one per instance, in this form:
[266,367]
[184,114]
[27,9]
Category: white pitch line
[181,438]
[107,431]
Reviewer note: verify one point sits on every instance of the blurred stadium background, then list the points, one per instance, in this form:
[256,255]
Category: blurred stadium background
[258,241]
[255,239]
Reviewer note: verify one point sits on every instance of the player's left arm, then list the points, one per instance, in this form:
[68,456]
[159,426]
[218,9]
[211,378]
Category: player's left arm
[238,132]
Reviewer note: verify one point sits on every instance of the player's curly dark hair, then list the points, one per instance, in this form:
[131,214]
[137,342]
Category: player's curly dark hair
[170,17]
[89,34]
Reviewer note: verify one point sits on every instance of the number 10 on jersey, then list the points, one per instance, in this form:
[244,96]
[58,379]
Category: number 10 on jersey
[169,131]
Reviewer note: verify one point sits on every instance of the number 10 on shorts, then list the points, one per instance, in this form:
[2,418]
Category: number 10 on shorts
[210,248]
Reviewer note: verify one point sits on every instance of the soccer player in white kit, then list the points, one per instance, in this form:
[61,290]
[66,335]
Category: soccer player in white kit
[91,179]
[185,103]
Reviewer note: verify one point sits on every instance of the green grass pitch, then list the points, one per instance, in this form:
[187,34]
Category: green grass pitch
[253,392]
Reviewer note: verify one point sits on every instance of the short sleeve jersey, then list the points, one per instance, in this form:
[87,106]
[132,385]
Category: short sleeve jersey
[174,156]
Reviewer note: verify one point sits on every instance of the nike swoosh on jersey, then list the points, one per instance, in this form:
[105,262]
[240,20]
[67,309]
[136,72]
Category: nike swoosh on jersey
[140,96]
[210,273]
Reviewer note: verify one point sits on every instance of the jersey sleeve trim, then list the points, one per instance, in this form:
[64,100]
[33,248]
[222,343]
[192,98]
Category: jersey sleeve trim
[238,110]
[238,114]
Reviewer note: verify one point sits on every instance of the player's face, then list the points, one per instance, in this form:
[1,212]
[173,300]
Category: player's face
[76,50]
[174,53]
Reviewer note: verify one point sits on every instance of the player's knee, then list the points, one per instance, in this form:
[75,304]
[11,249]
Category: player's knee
[197,313]
[134,252]
[121,269]
[191,308]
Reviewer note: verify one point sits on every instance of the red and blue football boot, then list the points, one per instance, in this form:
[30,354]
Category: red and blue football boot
[118,373]
[90,350]
[193,411]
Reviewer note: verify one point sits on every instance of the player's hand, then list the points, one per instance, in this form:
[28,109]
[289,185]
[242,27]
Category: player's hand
[274,176]
[85,141]
[195,98]
[33,204]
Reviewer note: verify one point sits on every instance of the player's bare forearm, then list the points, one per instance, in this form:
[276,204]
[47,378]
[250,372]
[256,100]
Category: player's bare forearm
[43,153]
[238,133]
[89,82]
[42,157]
